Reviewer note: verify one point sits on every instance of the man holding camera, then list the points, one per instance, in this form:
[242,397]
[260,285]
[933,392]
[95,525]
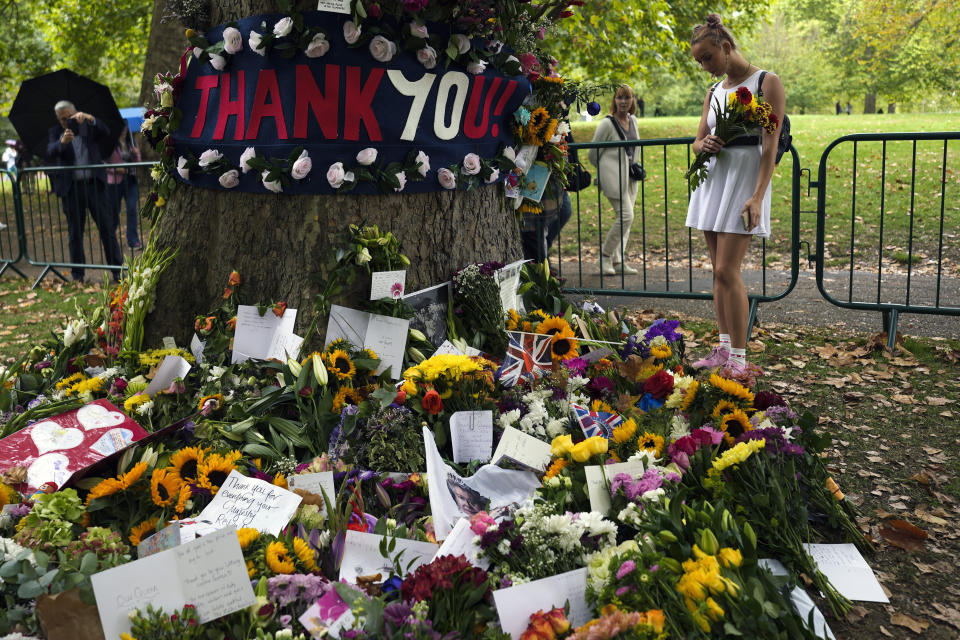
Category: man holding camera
[75,142]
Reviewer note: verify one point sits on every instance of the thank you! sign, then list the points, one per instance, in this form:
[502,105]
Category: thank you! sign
[338,105]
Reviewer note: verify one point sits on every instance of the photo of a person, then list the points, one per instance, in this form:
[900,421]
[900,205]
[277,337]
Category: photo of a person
[468,499]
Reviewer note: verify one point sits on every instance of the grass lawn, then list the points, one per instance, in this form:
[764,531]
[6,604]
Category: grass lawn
[895,214]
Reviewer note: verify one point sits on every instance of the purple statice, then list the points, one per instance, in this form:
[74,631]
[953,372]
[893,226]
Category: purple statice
[780,411]
[776,439]
[337,449]
[296,588]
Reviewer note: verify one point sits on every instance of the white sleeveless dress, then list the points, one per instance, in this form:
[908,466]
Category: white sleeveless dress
[731,179]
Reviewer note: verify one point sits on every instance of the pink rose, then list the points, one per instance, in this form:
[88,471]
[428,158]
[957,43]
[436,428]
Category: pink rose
[402,179]
[209,156]
[248,154]
[461,42]
[318,46]
[230,179]
[418,30]
[254,41]
[367,156]
[471,164]
[335,175]
[382,49]
[301,166]
[423,160]
[427,57]
[446,178]
[232,40]
[351,32]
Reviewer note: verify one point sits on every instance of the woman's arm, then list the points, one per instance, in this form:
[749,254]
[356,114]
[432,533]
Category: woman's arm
[774,94]
[602,134]
[705,141]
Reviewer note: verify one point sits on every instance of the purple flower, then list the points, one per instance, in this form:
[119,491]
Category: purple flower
[577,366]
[599,386]
[624,590]
[665,328]
[654,568]
[626,569]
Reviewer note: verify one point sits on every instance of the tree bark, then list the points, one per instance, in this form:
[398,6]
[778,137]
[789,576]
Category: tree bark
[891,107]
[164,47]
[870,103]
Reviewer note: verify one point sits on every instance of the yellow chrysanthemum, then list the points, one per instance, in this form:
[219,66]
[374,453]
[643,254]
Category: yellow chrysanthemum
[734,425]
[690,396]
[164,487]
[450,367]
[305,553]
[87,385]
[731,388]
[186,462]
[278,558]
[661,352]
[154,357]
[624,431]
[737,454]
[213,471]
[144,529]
[340,365]
[651,442]
[556,467]
[247,536]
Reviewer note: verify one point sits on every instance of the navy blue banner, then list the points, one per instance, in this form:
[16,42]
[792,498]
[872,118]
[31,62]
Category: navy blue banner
[334,107]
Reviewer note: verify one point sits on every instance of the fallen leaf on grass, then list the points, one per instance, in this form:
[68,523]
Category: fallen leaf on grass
[930,451]
[902,534]
[937,401]
[921,478]
[885,632]
[946,614]
[929,517]
[856,614]
[903,399]
[826,351]
[914,624]
[925,568]
[756,346]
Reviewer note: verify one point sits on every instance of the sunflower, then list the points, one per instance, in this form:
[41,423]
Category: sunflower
[731,388]
[186,462]
[185,494]
[530,207]
[213,471]
[651,442]
[600,405]
[370,354]
[624,431]
[689,397]
[723,408]
[340,364]
[280,480]
[164,487]
[513,319]
[556,467]
[305,553]
[278,558]
[247,536]
[554,325]
[70,381]
[345,394]
[105,488]
[251,569]
[337,345]
[216,397]
[7,494]
[131,477]
[145,527]
[734,425]
[661,352]
[563,346]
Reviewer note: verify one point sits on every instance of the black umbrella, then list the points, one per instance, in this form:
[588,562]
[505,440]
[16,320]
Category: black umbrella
[32,113]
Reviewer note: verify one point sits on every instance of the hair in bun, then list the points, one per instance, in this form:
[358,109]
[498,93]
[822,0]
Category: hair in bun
[714,29]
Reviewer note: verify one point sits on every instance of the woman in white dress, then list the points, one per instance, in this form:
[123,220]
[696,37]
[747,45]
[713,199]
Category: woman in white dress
[733,204]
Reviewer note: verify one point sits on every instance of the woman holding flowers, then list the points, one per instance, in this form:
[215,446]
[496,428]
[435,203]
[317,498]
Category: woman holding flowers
[732,204]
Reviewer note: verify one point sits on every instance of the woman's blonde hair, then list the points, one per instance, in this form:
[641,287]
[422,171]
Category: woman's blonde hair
[621,89]
[714,29]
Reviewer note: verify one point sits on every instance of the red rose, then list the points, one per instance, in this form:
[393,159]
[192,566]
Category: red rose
[659,385]
[401,397]
[432,402]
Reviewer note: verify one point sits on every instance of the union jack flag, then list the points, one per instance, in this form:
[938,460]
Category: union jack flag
[595,423]
[528,356]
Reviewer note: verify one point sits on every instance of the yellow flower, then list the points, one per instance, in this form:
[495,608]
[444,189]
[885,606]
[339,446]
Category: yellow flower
[580,452]
[340,364]
[722,408]
[305,553]
[661,352]
[651,442]
[164,487]
[730,557]
[600,405]
[563,346]
[247,536]
[689,397]
[88,385]
[216,397]
[731,388]
[343,396]
[556,467]
[738,454]
[185,494]
[561,446]
[409,387]
[734,425]
[624,431]
[213,471]
[554,325]
[69,381]
[513,319]
[186,462]
[145,527]
[135,401]
[280,480]
[251,569]
[691,587]
[278,558]
[105,488]
[131,477]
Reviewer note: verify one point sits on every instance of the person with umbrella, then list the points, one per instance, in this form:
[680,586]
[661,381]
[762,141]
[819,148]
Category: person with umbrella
[76,141]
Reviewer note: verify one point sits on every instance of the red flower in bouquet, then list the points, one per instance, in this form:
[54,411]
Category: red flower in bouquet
[659,385]
[744,96]
[431,402]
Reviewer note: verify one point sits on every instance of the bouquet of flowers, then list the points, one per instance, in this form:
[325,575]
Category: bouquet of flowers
[742,115]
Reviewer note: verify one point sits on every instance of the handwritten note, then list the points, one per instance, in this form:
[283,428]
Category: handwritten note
[169,342]
[170,369]
[471,435]
[386,336]
[196,348]
[508,278]
[848,571]
[460,543]
[598,487]
[516,604]
[334,6]
[517,447]
[255,335]
[388,284]
[361,555]
[315,483]
[249,502]
[284,346]
[208,573]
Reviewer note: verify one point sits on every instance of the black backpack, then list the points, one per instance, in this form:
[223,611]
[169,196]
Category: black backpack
[783,144]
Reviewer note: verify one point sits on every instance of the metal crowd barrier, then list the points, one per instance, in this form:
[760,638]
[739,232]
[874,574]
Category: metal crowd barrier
[888,163]
[11,247]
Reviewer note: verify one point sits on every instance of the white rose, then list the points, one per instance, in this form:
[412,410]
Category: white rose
[283,27]
[217,61]
[382,49]
[351,32]
[272,185]
[427,57]
[556,139]
[510,154]
[335,175]
[209,156]
[254,42]
[349,177]
[461,42]
[471,164]
[367,156]
[301,166]
[424,161]
[563,128]
[74,332]
[230,179]
[476,68]
[182,168]
[446,178]
[318,46]
[197,51]
[147,124]
[248,154]
[402,178]
[232,40]
[418,30]
[494,176]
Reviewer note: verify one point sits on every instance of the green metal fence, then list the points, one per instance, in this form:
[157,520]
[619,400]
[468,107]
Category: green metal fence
[11,247]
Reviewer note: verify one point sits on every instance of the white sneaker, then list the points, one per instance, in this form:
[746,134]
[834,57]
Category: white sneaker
[627,269]
[607,267]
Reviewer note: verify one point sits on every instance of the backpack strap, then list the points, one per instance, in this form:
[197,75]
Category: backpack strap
[712,88]
[763,74]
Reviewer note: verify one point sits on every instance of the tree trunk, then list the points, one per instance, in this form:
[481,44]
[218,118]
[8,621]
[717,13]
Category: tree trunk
[891,107]
[164,48]
[870,103]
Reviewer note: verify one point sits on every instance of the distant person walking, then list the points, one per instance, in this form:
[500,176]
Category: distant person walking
[839,108]
[849,108]
[733,204]
[122,184]
[641,105]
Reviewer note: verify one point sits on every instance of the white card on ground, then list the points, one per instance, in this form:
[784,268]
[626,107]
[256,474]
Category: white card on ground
[248,502]
[386,336]
[315,483]
[471,435]
[209,573]
[460,543]
[383,284]
[516,604]
[254,333]
[334,6]
[522,448]
[196,348]
[284,346]
[599,489]
[361,555]
[170,369]
[848,571]
[803,603]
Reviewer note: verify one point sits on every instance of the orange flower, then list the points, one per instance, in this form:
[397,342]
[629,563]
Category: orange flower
[279,309]
[235,278]
[432,402]
[227,292]
[232,323]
